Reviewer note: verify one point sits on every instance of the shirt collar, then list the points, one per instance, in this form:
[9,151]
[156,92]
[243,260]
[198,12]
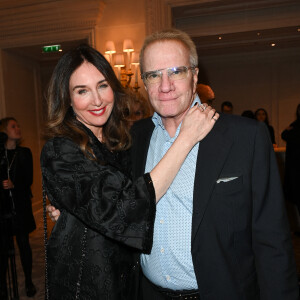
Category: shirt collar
[156,119]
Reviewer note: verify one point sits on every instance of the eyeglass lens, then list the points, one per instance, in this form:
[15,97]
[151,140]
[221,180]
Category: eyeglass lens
[175,73]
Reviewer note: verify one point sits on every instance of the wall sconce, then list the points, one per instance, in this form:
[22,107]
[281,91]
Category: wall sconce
[110,49]
[136,61]
[123,64]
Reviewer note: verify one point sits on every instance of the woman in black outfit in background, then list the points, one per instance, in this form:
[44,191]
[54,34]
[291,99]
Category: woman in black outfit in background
[16,197]
[262,116]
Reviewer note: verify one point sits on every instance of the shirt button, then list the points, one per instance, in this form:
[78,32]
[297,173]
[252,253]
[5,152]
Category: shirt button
[162,250]
[168,277]
[161,221]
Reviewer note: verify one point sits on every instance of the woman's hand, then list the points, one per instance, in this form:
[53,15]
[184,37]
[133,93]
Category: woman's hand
[198,122]
[7,184]
[53,212]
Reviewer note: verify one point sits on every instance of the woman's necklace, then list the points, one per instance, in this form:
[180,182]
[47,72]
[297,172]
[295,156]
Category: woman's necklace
[9,165]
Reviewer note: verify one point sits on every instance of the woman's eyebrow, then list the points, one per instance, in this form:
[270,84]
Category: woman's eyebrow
[83,86]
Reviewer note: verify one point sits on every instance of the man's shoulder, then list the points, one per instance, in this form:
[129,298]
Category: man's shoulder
[238,122]
[238,128]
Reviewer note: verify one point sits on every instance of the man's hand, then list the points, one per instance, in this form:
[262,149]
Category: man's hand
[53,212]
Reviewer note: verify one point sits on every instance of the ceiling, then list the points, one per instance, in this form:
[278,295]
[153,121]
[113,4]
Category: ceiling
[234,26]
[27,25]
[217,27]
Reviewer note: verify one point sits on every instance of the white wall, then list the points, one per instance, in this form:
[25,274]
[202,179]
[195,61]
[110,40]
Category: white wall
[269,79]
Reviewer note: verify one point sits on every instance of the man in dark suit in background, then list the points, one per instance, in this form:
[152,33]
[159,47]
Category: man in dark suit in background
[221,230]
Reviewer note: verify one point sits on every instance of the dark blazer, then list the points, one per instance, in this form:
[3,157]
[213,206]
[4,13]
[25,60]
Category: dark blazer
[241,246]
[104,218]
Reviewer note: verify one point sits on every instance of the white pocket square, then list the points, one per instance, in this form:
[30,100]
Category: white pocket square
[226,179]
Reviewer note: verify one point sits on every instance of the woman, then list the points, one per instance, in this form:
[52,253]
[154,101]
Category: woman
[262,116]
[86,175]
[16,199]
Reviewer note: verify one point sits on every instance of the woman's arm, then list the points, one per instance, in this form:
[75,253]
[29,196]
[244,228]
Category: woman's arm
[196,125]
[104,198]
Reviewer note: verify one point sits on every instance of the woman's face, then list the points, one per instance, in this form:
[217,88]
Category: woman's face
[261,116]
[13,130]
[92,98]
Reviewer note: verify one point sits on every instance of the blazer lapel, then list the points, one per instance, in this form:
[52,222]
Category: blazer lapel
[212,154]
[141,139]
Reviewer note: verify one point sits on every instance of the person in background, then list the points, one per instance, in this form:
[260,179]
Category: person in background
[262,116]
[138,107]
[248,114]
[205,93]
[17,191]
[105,216]
[227,107]
[292,161]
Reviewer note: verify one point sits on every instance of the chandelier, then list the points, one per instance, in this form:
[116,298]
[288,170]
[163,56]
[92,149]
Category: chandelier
[124,62]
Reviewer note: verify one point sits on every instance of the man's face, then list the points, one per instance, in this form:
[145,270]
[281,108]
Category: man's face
[170,98]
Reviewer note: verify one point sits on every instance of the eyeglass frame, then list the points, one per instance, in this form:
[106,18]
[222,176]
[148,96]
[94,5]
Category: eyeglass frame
[160,72]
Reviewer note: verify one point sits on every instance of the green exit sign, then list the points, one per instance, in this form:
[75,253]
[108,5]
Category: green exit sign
[51,48]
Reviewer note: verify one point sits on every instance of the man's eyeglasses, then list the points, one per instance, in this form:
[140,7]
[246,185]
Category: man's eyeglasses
[175,73]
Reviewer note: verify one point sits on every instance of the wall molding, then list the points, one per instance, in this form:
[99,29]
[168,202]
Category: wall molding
[49,21]
[159,12]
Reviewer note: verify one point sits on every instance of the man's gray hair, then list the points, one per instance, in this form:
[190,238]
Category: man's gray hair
[170,35]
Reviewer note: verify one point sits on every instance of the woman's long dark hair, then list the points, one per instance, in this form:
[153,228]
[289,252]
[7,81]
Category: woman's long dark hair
[61,120]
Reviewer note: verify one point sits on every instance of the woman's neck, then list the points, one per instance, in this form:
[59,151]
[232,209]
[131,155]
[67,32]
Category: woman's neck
[11,144]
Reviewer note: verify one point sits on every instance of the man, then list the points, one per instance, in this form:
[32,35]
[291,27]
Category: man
[227,107]
[221,231]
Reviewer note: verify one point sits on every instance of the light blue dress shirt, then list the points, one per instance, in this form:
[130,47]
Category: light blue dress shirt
[170,263]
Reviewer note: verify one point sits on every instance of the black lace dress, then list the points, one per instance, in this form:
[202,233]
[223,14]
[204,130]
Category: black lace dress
[106,220]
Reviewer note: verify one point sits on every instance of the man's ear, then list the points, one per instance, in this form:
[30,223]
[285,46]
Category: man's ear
[195,79]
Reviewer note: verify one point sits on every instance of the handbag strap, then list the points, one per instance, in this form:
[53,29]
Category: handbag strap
[83,254]
[45,243]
